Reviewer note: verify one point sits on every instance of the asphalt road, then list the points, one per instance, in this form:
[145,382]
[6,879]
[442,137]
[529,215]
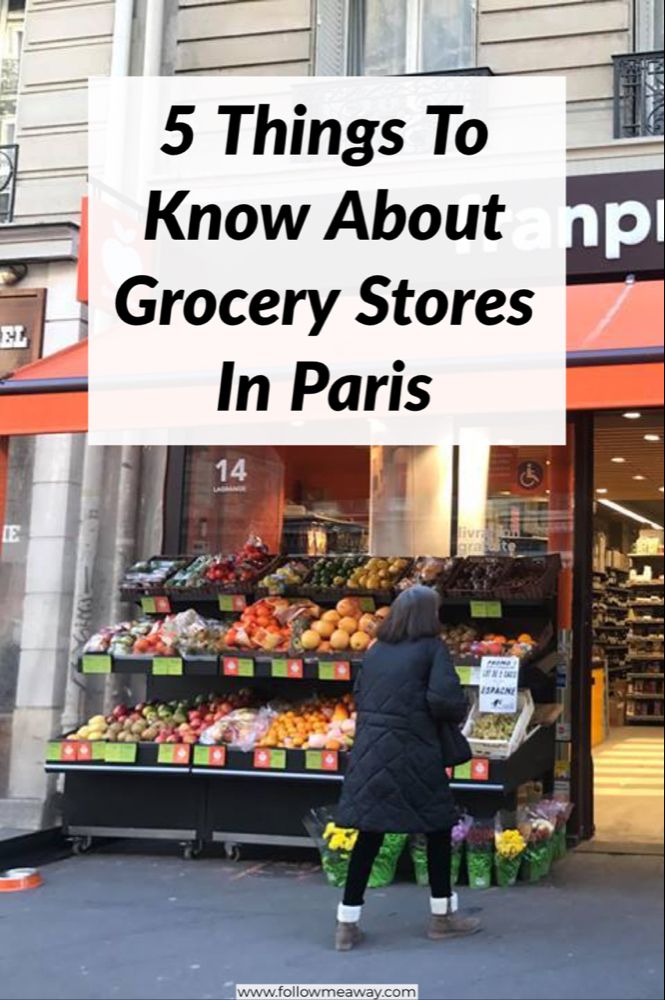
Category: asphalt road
[137,926]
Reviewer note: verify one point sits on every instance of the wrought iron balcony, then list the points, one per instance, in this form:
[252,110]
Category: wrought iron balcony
[8,161]
[638,95]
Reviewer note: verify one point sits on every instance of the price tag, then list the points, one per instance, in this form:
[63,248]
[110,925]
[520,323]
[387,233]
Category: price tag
[232,602]
[321,760]
[462,772]
[367,604]
[173,753]
[209,756]
[154,605]
[486,609]
[498,684]
[88,750]
[270,758]
[120,753]
[480,769]
[65,750]
[464,674]
[292,669]
[96,663]
[339,670]
[167,666]
[237,666]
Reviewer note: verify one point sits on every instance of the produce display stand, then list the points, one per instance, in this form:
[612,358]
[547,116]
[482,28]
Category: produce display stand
[195,794]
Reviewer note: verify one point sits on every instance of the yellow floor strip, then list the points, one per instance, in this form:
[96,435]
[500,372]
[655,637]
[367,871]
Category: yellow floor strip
[647,793]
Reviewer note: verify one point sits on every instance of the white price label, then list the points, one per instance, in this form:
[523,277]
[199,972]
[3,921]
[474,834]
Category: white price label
[499,677]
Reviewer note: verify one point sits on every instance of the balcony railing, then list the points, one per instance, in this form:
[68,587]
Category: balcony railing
[638,95]
[8,161]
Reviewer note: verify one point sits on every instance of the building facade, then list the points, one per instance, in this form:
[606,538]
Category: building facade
[610,52]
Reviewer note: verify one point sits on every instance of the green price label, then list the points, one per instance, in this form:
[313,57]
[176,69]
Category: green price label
[120,753]
[367,604]
[462,772]
[53,750]
[464,674]
[167,666]
[149,605]
[486,609]
[201,755]
[231,602]
[278,668]
[96,663]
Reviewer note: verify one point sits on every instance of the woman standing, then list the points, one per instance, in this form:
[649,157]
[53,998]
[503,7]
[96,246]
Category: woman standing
[396,782]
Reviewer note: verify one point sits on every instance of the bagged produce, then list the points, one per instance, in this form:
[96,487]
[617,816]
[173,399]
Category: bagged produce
[240,729]
[480,854]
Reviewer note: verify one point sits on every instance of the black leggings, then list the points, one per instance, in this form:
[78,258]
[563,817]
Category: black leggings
[366,849]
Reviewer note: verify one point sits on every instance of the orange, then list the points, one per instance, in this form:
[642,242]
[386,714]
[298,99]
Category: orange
[349,624]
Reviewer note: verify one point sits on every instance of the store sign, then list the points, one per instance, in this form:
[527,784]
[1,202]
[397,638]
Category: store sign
[615,224]
[499,677]
[21,327]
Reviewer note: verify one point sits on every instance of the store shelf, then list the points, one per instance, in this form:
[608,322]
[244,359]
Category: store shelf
[644,718]
[247,664]
[644,696]
[644,676]
[645,555]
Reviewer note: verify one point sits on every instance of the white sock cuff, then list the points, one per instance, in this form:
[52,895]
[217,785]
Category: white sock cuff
[348,914]
[442,905]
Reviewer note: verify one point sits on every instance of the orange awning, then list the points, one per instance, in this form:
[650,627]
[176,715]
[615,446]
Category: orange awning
[617,322]
[48,396]
[617,316]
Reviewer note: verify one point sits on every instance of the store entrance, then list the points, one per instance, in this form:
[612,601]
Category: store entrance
[628,628]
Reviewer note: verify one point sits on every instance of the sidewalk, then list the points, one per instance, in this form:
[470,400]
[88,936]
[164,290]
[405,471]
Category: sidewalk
[127,926]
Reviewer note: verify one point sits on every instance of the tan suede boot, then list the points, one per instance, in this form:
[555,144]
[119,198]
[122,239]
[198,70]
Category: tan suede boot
[347,936]
[446,922]
[348,933]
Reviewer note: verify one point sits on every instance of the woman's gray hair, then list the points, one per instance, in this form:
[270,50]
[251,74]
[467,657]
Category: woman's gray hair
[414,615]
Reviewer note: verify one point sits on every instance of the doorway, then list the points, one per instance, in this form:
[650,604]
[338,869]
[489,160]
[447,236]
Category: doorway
[627,697]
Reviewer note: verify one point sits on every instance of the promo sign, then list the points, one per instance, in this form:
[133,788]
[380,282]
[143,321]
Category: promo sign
[499,677]
[21,327]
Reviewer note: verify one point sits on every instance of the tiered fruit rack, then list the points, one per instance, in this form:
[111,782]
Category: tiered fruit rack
[645,697]
[196,794]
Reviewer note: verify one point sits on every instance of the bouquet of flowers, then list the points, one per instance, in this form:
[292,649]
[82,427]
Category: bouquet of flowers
[335,844]
[479,854]
[558,813]
[385,865]
[418,849]
[509,848]
[537,831]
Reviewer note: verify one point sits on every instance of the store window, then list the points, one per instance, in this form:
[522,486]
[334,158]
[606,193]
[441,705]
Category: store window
[390,37]
[301,501]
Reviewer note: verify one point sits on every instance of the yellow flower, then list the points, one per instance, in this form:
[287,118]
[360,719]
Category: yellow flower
[509,843]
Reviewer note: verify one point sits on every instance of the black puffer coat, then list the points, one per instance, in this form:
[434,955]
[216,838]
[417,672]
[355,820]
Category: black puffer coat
[396,780]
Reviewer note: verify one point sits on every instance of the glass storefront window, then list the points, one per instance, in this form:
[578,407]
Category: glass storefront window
[303,501]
